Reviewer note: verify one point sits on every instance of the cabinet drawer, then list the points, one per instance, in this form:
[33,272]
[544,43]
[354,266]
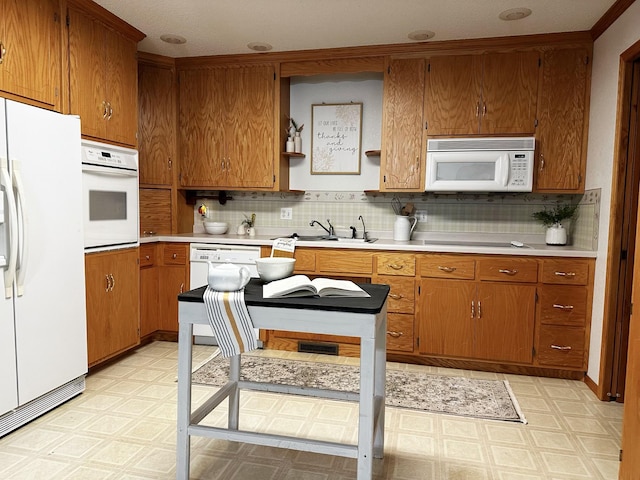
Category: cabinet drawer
[508,269]
[447,266]
[564,271]
[343,262]
[561,346]
[563,305]
[305,260]
[400,332]
[396,264]
[402,295]
[147,255]
[174,254]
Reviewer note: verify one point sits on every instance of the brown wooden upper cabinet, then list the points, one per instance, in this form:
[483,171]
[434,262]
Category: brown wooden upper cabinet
[402,155]
[30,58]
[562,122]
[493,93]
[103,72]
[226,127]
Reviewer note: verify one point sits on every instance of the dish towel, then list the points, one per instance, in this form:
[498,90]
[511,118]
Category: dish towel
[229,318]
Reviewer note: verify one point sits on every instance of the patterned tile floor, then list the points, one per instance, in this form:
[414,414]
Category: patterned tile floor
[123,427]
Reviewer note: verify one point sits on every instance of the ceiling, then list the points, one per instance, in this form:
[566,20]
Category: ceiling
[219,27]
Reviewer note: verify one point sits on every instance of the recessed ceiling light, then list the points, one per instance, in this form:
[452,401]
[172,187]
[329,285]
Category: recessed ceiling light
[421,35]
[173,39]
[259,46]
[515,13]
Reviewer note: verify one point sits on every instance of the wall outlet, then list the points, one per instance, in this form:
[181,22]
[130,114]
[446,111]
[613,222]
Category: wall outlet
[286,213]
[421,215]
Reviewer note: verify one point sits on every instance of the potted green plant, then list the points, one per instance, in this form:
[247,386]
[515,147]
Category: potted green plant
[552,219]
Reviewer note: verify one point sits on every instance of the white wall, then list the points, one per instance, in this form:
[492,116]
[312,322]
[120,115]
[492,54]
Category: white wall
[357,88]
[602,121]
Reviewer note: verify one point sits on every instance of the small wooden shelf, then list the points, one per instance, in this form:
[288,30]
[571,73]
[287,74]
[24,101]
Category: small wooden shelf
[372,153]
[293,154]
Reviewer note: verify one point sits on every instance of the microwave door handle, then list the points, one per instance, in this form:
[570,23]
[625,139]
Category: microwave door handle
[10,271]
[108,171]
[505,166]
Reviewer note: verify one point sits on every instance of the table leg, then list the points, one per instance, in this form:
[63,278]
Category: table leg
[380,383]
[234,396]
[366,423]
[183,441]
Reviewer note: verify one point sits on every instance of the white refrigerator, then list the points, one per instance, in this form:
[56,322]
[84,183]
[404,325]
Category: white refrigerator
[43,340]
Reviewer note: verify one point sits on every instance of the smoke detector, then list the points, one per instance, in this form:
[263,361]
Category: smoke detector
[515,13]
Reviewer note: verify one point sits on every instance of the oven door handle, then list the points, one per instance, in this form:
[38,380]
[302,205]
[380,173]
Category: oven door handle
[108,171]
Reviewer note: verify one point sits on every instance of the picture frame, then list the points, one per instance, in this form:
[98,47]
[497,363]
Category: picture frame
[336,138]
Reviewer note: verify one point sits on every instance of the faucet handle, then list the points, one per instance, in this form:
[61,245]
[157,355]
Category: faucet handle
[353,231]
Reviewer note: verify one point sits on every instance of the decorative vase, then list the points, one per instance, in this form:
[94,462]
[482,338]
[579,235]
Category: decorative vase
[242,230]
[556,235]
[252,231]
[297,143]
[290,146]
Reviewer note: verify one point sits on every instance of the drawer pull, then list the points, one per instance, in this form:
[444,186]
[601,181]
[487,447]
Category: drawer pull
[396,296]
[563,307]
[473,309]
[506,271]
[395,266]
[174,256]
[394,334]
[147,257]
[558,347]
[447,269]
[565,274]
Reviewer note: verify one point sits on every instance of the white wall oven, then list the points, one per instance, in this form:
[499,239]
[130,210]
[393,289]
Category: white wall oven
[110,196]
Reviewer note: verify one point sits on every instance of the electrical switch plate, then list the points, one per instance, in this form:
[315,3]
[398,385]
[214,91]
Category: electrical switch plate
[421,215]
[286,214]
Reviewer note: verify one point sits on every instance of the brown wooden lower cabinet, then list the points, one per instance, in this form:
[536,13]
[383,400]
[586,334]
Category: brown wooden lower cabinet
[149,282]
[112,280]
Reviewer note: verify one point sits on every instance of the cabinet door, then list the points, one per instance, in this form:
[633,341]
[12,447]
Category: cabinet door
[250,95]
[202,128]
[561,121]
[156,112]
[125,303]
[402,159]
[98,307]
[122,88]
[505,316]
[30,33]
[155,211]
[149,309]
[454,85]
[173,281]
[87,87]
[446,317]
[509,93]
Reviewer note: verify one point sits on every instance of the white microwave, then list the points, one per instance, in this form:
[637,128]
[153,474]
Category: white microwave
[495,164]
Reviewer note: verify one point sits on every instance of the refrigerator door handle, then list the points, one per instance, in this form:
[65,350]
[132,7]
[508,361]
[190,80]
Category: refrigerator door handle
[10,272]
[21,264]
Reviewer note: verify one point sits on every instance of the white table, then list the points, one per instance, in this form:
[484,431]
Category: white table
[362,318]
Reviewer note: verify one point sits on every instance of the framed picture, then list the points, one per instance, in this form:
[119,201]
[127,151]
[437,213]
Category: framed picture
[336,137]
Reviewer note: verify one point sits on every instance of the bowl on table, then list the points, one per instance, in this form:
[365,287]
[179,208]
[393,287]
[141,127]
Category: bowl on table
[215,228]
[275,268]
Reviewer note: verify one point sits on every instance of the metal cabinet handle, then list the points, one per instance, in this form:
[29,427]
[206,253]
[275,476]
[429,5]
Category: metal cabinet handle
[170,162]
[174,256]
[563,307]
[147,257]
[396,296]
[110,111]
[446,269]
[559,347]
[394,334]
[565,274]
[3,51]
[477,109]
[473,309]
[479,309]
[395,266]
[105,111]
[108,283]
[506,271]
[484,109]
[182,287]
[113,282]
[541,162]
[222,165]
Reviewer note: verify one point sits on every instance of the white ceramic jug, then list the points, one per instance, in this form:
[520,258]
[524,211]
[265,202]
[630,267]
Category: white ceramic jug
[556,235]
[227,277]
[403,228]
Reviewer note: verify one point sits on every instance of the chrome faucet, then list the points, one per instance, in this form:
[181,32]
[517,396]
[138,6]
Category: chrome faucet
[329,230]
[365,234]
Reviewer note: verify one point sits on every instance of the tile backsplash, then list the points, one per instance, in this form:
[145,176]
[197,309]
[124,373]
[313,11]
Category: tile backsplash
[454,213]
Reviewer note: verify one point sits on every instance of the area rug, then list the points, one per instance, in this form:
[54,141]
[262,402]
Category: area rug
[487,399]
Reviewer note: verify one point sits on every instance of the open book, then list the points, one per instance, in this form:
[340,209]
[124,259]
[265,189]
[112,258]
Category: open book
[302,286]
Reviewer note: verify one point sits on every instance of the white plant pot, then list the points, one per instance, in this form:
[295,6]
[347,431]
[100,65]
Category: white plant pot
[556,235]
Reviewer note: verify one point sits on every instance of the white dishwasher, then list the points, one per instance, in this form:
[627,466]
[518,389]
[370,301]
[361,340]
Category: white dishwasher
[200,256]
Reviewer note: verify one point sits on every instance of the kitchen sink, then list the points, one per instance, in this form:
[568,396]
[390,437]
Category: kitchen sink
[472,243]
[327,238]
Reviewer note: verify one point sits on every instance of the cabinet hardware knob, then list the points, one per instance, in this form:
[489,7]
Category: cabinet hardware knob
[559,347]
[394,334]
[565,274]
[395,296]
[147,257]
[447,269]
[506,271]
[563,307]
[395,266]
[174,256]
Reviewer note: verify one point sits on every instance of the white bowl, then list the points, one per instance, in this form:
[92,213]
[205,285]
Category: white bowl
[274,268]
[215,228]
